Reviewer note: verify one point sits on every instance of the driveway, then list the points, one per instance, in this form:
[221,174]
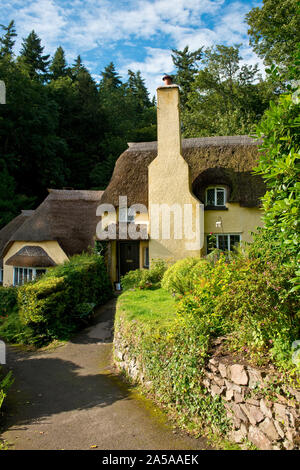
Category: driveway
[70,398]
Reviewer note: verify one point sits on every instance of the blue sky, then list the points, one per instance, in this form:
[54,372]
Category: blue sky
[134,34]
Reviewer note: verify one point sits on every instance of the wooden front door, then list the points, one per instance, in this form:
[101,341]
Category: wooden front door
[129,257]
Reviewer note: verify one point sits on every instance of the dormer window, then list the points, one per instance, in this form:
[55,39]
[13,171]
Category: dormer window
[215,196]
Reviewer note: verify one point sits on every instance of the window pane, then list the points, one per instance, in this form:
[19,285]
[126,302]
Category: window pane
[210,197]
[234,240]
[223,242]
[29,274]
[20,275]
[220,197]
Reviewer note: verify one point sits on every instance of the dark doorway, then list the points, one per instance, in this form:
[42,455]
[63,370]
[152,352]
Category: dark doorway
[129,257]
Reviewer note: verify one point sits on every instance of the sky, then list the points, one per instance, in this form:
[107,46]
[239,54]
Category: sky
[134,34]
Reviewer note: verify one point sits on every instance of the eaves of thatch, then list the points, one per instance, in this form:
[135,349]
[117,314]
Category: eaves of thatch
[212,160]
[65,216]
[7,232]
[31,256]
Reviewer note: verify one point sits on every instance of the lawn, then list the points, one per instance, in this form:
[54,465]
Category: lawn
[152,307]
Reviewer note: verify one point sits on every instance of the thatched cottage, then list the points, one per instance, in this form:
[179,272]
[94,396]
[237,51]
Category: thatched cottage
[176,194]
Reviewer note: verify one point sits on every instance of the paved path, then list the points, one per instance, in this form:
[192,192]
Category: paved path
[68,398]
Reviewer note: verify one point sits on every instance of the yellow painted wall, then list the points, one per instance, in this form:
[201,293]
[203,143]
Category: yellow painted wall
[237,220]
[52,248]
[168,176]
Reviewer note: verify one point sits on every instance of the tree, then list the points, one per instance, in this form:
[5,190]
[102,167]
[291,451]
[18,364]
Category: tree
[32,55]
[186,63]
[137,89]
[274,31]
[279,165]
[226,98]
[58,67]
[110,78]
[7,41]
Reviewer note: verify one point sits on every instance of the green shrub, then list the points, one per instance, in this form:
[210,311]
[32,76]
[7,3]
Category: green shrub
[132,279]
[8,300]
[5,384]
[57,304]
[182,276]
[250,301]
[145,278]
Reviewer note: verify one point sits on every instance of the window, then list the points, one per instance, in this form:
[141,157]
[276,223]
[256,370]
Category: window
[215,196]
[222,242]
[146,257]
[1,275]
[22,275]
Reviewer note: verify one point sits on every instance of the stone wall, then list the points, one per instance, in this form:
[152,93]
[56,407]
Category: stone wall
[259,414]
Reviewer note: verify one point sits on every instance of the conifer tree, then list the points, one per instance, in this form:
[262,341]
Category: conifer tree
[7,41]
[186,64]
[32,54]
[58,67]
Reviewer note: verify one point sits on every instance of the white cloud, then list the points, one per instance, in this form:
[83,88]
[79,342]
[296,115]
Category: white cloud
[156,63]
[92,26]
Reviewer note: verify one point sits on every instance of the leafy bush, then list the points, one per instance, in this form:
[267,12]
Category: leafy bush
[250,302]
[8,300]
[182,275]
[279,165]
[57,304]
[5,384]
[145,278]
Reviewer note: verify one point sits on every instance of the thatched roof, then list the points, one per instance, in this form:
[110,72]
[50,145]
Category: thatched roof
[212,160]
[9,229]
[67,216]
[31,256]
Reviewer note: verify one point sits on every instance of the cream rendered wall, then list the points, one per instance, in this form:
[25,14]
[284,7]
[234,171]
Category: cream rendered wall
[236,220]
[52,248]
[168,175]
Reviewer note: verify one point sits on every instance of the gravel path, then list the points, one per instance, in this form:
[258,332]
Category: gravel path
[69,398]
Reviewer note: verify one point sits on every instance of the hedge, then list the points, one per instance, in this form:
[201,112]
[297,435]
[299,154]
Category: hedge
[61,301]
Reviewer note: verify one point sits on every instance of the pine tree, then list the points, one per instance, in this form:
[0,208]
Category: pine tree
[58,67]
[137,88]
[186,65]
[110,78]
[32,55]
[7,41]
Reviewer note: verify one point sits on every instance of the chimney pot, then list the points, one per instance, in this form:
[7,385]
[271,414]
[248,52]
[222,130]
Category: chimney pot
[167,79]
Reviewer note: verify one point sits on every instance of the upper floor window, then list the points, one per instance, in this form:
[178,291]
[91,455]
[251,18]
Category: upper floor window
[215,196]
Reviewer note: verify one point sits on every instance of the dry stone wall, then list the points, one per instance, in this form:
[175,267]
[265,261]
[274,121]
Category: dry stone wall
[267,422]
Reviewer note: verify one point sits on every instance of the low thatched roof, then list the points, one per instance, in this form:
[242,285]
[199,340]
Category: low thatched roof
[31,256]
[9,229]
[67,216]
[212,160]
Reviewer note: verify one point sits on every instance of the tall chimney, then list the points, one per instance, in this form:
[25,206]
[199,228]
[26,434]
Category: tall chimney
[171,202]
[168,121]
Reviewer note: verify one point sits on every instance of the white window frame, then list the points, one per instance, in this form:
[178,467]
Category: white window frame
[216,190]
[223,235]
[21,268]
